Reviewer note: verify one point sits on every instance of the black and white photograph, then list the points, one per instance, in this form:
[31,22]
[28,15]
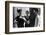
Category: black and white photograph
[22,17]
[25,17]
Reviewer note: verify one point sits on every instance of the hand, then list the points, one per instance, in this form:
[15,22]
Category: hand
[28,21]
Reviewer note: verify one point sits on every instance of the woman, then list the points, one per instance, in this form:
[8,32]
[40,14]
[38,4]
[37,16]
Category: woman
[20,21]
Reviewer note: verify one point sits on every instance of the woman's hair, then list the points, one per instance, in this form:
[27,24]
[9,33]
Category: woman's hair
[19,10]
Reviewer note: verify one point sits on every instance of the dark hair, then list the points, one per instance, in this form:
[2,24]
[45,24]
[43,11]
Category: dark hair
[19,10]
[27,11]
[31,10]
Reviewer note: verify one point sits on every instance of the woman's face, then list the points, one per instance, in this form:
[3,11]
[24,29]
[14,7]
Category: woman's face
[19,12]
[27,13]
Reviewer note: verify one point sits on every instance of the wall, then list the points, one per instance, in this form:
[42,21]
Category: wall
[2,18]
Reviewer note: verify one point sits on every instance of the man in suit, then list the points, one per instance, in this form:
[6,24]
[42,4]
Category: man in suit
[30,17]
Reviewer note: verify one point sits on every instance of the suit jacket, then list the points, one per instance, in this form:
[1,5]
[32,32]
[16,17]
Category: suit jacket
[31,20]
